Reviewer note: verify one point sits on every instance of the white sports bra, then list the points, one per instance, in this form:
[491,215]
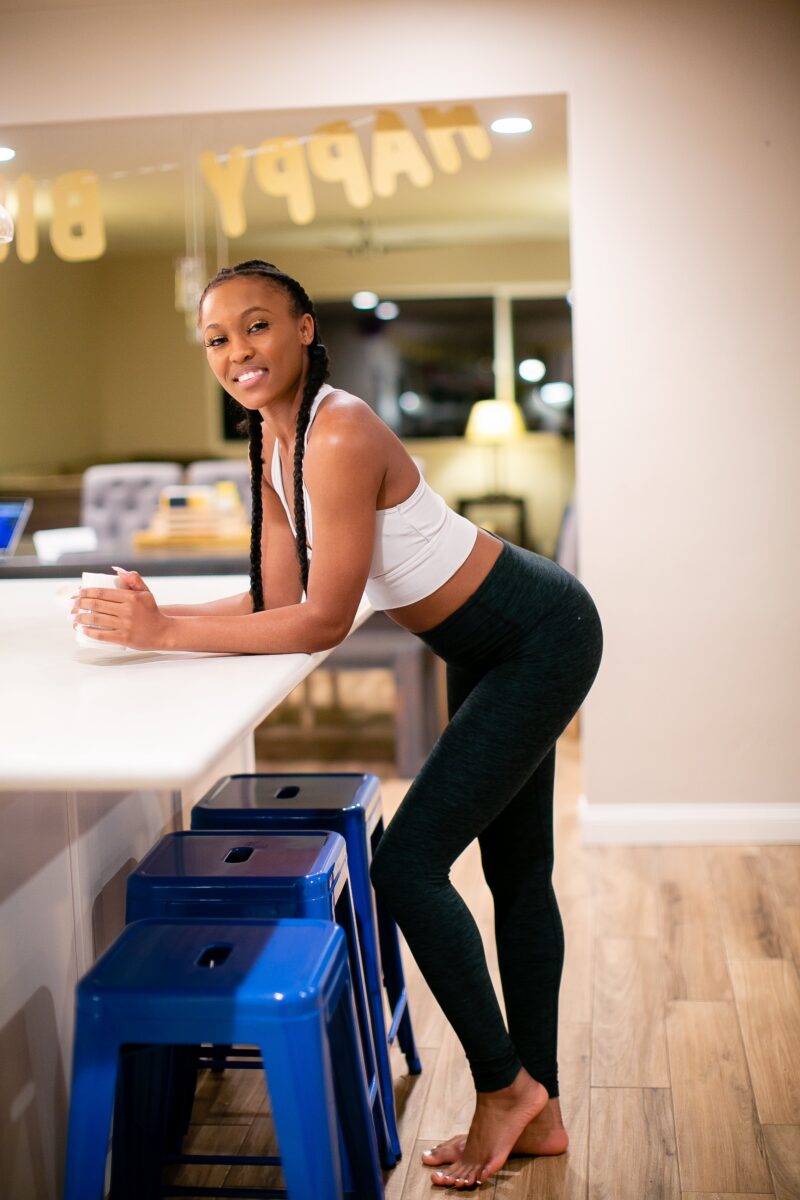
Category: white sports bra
[419,543]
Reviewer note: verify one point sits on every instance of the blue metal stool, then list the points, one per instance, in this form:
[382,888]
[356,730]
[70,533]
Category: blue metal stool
[283,986]
[348,804]
[264,875]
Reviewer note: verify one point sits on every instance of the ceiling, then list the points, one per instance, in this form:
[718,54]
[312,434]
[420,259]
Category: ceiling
[29,6]
[519,193]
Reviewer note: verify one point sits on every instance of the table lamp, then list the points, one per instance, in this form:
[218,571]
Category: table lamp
[494,423]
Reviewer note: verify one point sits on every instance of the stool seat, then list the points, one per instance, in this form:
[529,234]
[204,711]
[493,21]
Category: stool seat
[300,793]
[232,873]
[283,986]
[170,962]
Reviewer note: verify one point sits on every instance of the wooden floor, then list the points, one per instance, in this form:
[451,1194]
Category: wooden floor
[679,1030]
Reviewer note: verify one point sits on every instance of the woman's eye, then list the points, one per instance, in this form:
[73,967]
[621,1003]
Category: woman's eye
[257,325]
[213,342]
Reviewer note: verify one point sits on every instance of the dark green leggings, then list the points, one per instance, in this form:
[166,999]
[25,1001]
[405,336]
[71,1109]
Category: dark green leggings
[521,654]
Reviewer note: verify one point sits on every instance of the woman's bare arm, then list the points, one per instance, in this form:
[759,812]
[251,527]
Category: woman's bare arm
[280,571]
[343,474]
[228,606]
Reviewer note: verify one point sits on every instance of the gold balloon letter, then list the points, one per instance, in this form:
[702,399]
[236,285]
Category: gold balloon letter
[77,232]
[334,154]
[281,170]
[395,151]
[26,238]
[25,233]
[441,126]
[226,181]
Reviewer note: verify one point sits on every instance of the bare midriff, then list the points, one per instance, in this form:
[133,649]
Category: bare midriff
[399,480]
[433,609]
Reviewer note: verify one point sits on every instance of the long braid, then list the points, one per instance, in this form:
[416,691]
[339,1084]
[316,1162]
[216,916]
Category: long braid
[317,374]
[256,442]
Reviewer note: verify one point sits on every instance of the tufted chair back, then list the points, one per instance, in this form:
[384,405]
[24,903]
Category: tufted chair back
[119,498]
[215,470]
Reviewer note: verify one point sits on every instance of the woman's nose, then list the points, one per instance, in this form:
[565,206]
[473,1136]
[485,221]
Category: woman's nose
[240,351]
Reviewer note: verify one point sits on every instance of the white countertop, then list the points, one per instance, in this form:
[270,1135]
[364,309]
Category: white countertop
[141,719]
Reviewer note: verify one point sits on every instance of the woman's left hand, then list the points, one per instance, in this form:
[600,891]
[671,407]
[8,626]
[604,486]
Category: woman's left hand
[127,615]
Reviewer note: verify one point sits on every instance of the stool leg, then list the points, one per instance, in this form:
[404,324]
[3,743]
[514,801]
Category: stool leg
[141,1112]
[353,1102]
[345,916]
[394,978]
[94,1073]
[368,935]
[300,1083]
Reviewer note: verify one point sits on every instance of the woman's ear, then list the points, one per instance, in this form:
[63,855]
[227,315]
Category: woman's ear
[306,329]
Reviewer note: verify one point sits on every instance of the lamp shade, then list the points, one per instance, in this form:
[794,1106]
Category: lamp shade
[494,421]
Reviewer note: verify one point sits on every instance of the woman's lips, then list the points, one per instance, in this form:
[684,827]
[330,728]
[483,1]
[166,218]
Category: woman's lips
[249,379]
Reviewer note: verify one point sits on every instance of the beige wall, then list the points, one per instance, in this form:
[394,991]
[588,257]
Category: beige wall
[49,394]
[152,381]
[685,171]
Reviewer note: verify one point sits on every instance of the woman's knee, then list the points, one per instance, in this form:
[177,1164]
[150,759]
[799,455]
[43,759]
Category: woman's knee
[403,874]
[386,868]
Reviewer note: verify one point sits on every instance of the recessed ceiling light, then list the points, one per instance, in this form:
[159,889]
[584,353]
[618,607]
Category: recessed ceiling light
[364,300]
[6,153]
[387,310]
[512,125]
[532,370]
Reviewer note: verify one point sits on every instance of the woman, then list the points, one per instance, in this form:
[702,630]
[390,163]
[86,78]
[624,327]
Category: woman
[522,641]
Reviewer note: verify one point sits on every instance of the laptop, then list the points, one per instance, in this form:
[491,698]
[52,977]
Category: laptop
[13,518]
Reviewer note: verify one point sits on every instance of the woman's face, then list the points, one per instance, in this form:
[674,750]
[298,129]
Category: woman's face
[255,344]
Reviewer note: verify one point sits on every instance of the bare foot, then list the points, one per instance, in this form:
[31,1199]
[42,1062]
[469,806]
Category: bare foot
[545,1134]
[501,1118]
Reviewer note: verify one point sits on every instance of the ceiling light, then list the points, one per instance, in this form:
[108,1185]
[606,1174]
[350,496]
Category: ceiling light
[364,300]
[532,370]
[6,153]
[387,310]
[512,125]
[557,395]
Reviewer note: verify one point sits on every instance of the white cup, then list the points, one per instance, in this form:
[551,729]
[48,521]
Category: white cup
[94,579]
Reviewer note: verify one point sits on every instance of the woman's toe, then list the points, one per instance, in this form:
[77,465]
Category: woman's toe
[445,1152]
[434,1156]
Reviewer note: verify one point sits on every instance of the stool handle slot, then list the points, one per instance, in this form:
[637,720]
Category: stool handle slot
[288,792]
[239,854]
[214,956]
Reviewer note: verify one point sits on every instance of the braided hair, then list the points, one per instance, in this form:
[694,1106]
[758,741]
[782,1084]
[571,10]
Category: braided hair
[317,374]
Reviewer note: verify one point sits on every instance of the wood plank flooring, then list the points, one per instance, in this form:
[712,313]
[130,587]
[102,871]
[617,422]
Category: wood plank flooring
[679,1030]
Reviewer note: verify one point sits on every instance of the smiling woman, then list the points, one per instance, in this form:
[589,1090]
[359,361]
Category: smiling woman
[522,641]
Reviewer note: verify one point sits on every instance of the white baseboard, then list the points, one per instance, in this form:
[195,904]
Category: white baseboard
[687,824]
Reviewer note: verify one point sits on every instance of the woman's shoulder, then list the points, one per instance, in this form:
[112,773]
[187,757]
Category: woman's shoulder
[346,435]
[339,400]
[339,410]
